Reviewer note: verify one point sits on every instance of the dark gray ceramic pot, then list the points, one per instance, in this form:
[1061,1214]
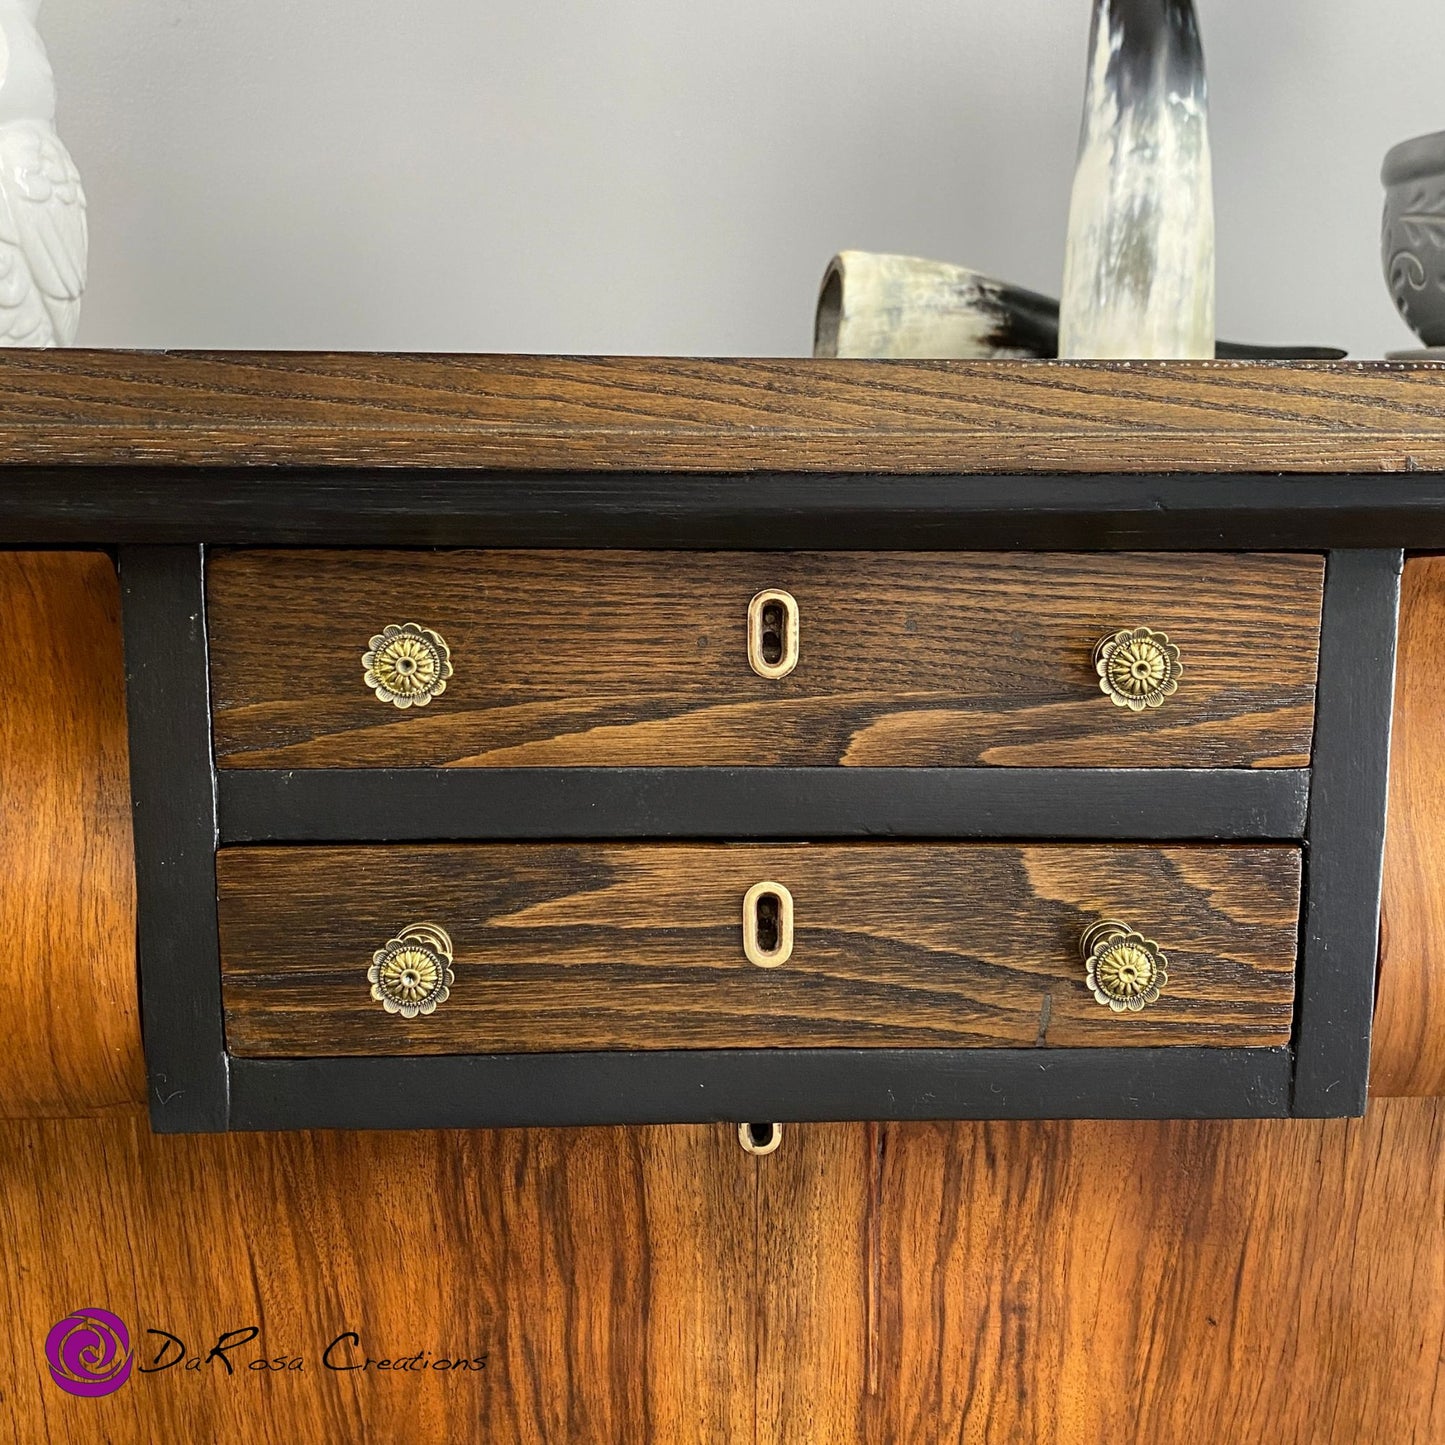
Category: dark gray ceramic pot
[1413,238]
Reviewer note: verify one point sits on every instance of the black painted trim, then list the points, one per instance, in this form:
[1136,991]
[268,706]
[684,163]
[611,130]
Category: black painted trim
[1345,837]
[175,812]
[782,1085]
[409,804]
[174,823]
[431,507]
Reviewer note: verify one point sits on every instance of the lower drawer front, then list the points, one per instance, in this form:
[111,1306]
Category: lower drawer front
[608,946]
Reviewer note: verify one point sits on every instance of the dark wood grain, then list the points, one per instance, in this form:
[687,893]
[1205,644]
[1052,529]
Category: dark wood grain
[1408,1053]
[1066,1284]
[639,946]
[635,658]
[606,413]
[69,1013]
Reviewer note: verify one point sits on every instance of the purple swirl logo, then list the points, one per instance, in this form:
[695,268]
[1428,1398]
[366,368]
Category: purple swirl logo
[89,1353]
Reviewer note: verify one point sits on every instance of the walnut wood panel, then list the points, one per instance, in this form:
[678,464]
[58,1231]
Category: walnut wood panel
[621,413]
[1407,1055]
[632,658]
[604,1275]
[1069,1283]
[1059,1283]
[68,1010]
[597,946]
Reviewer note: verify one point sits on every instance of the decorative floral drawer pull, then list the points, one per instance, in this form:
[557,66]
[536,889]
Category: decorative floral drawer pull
[1125,970]
[407,665]
[1137,668]
[413,973]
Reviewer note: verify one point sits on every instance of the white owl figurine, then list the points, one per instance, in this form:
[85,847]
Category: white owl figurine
[42,205]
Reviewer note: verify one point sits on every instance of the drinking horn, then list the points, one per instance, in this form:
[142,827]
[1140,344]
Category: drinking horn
[873,305]
[1139,259]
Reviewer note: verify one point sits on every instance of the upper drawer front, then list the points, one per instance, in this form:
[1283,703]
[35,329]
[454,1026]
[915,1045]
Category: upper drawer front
[643,946]
[570,658]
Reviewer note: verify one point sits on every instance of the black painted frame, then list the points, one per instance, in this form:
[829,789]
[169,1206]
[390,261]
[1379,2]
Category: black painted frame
[1345,838]
[393,805]
[173,818]
[436,507]
[183,810]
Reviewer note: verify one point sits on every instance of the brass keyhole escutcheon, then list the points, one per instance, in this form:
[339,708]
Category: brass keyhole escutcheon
[760,1138]
[768,925]
[1137,667]
[1125,971]
[773,633]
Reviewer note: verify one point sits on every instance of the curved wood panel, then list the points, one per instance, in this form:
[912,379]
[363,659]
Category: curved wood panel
[69,1016]
[627,414]
[1071,1283]
[1057,1283]
[1408,1052]
[603,1274]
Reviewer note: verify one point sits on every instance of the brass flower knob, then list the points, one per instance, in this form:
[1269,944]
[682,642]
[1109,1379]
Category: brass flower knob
[413,973]
[1137,667]
[407,665]
[1124,969]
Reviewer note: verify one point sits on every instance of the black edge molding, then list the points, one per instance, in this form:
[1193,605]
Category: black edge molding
[781,1085]
[181,810]
[1345,835]
[385,805]
[758,510]
[173,813]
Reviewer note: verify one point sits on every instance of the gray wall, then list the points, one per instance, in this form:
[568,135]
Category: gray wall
[671,175]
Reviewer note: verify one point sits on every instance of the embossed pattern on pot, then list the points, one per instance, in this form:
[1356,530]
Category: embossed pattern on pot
[1413,233]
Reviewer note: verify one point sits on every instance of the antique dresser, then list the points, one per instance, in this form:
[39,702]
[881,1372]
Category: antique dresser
[542,741]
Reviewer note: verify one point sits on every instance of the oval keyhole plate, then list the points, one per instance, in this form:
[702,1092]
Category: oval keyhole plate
[768,925]
[773,635]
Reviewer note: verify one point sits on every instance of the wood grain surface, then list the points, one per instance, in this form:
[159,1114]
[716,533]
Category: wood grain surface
[1059,1283]
[1407,1055]
[105,408]
[634,658]
[1056,1283]
[639,946]
[604,1275]
[68,1011]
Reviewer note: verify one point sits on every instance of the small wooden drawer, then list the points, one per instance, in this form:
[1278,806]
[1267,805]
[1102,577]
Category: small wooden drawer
[565,658]
[579,947]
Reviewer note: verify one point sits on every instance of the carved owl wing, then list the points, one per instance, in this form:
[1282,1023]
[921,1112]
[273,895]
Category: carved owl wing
[42,237]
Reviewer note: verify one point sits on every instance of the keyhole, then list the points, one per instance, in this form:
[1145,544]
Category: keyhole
[768,924]
[772,633]
[760,1138]
[768,910]
[773,637]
